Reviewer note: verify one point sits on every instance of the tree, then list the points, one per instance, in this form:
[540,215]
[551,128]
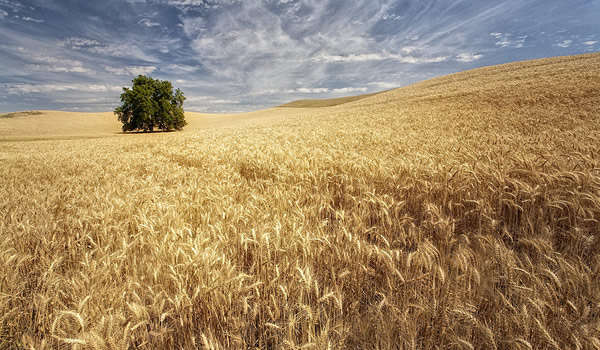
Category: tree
[150,104]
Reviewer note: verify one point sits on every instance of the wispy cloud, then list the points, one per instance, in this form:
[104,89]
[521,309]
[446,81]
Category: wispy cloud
[131,70]
[113,49]
[349,90]
[58,68]
[18,89]
[506,40]
[564,43]
[148,22]
[377,57]
[384,84]
[35,62]
[12,5]
[211,4]
[468,57]
[79,43]
[590,42]
[29,19]
[310,90]
[226,102]
[88,100]
[95,46]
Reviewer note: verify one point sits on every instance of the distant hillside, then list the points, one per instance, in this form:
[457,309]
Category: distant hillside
[19,114]
[326,102]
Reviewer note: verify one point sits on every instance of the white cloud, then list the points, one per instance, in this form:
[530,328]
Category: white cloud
[503,43]
[18,89]
[148,22]
[391,17]
[418,60]
[311,90]
[505,40]
[350,58]
[55,64]
[377,57]
[305,90]
[468,57]
[94,46]
[88,100]
[197,98]
[122,50]
[209,4]
[590,42]
[194,25]
[52,68]
[55,60]
[384,84]
[564,43]
[347,90]
[129,50]
[520,44]
[29,19]
[204,100]
[130,70]
[222,102]
[79,43]
[15,6]
[3,13]
[179,68]
[408,49]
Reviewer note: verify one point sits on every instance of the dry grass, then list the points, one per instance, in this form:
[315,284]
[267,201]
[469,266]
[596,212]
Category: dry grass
[19,114]
[460,212]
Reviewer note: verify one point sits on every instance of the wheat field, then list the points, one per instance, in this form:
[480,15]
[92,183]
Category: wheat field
[457,213]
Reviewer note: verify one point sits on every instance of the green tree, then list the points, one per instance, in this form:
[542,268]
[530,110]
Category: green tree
[151,104]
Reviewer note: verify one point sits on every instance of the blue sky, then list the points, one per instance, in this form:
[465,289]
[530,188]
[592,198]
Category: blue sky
[234,55]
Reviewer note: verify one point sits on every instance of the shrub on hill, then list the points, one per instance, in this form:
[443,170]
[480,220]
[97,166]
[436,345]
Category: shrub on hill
[151,104]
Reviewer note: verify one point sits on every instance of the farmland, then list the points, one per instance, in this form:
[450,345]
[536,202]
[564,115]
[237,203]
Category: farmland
[459,212]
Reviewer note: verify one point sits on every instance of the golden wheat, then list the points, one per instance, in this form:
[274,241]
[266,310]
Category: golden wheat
[461,212]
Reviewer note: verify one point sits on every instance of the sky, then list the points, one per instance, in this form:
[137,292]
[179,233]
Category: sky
[241,55]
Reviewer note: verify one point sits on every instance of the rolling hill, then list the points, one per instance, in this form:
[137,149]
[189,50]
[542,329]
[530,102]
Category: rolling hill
[459,212]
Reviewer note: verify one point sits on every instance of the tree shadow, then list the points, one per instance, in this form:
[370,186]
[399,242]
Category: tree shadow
[137,132]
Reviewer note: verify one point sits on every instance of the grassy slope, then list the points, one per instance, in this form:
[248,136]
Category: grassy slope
[458,212]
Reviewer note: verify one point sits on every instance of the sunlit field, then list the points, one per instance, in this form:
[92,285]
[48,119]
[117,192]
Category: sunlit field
[461,212]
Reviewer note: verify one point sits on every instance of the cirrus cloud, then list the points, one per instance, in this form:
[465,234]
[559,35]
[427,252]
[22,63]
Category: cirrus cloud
[131,70]
[468,57]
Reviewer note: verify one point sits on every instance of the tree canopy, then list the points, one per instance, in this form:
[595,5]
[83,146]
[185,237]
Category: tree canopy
[151,104]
